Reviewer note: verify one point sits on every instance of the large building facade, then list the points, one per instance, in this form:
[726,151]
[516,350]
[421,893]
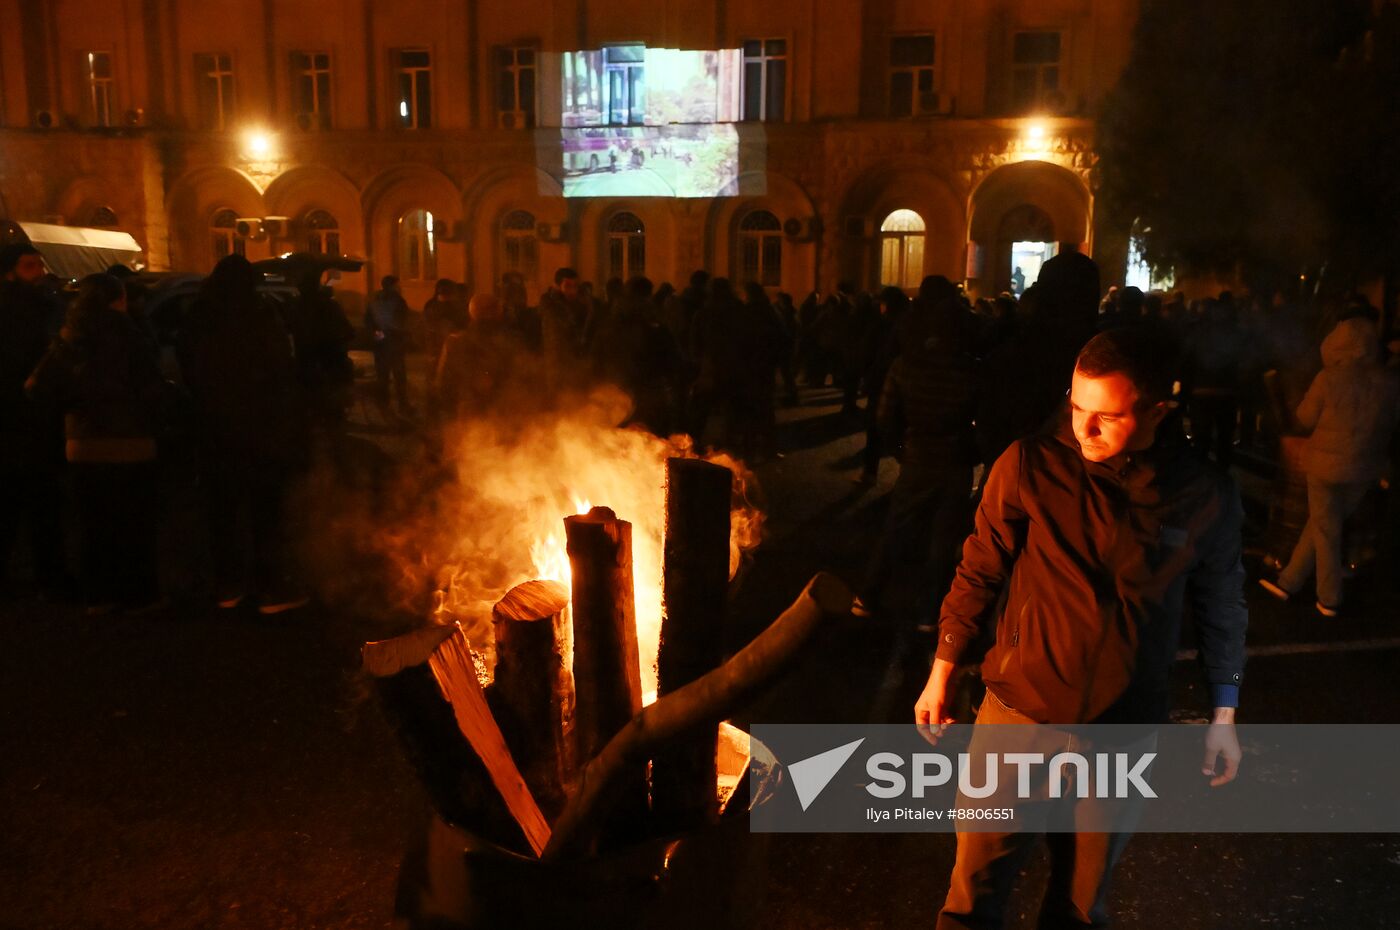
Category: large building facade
[877,140]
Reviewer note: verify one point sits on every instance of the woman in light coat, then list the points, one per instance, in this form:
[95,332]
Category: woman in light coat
[1351,410]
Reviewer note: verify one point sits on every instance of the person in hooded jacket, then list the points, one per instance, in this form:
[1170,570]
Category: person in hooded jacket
[102,372]
[31,434]
[1351,411]
[236,359]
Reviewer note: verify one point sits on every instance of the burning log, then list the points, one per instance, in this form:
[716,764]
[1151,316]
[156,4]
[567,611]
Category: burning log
[607,676]
[701,703]
[427,682]
[696,576]
[533,692]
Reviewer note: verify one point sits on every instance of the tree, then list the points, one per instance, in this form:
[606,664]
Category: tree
[1259,138]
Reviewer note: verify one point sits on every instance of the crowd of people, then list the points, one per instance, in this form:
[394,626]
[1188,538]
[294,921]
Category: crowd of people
[949,383]
[86,403]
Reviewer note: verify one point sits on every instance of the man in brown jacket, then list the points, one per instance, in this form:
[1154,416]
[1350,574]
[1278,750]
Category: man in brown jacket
[1100,532]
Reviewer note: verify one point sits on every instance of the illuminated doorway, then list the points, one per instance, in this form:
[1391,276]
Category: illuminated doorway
[902,249]
[1026,259]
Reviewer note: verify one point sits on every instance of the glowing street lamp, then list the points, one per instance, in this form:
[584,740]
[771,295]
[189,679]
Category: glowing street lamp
[257,144]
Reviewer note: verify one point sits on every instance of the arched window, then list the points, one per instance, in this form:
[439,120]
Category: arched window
[223,234]
[103,218]
[520,248]
[417,246]
[902,249]
[761,248]
[322,233]
[627,246]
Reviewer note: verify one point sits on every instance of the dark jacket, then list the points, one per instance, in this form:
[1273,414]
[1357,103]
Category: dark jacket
[237,362]
[29,433]
[1100,559]
[102,372]
[927,404]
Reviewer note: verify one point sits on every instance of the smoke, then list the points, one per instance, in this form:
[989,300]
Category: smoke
[446,541]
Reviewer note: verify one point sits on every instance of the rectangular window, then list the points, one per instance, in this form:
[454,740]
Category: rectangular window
[1035,70]
[765,79]
[214,91]
[911,76]
[414,100]
[311,89]
[99,76]
[624,77]
[515,87]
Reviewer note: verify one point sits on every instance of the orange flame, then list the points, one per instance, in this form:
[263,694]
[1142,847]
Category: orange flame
[517,482]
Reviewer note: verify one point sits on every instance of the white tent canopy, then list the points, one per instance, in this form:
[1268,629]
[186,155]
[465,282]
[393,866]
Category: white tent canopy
[75,251]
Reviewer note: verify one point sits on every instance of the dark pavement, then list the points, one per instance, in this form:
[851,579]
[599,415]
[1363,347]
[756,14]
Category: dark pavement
[190,769]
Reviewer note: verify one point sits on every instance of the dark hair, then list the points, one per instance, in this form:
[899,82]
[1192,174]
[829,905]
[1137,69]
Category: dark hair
[388,281]
[99,292]
[444,284]
[96,294]
[564,274]
[233,282]
[639,287]
[1137,354]
[11,254]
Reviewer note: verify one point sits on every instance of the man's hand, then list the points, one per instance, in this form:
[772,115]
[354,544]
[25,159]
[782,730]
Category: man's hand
[1221,741]
[932,711]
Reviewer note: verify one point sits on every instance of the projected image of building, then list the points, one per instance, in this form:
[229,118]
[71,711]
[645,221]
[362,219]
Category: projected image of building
[862,141]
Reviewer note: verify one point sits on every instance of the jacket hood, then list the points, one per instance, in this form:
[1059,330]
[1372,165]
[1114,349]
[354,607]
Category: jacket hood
[1351,342]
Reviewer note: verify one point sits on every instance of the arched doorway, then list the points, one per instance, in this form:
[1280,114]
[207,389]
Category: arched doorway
[902,249]
[1022,214]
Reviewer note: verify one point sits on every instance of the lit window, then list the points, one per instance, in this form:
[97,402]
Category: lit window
[911,76]
[214,76]
[761,248]
[627,246]
[515,88]
[322,233]
[765,79]
[415,97]
[223,234]
[902,249]
[1035,70]
[520,250]
[100,82]
[417,246]
[311,89]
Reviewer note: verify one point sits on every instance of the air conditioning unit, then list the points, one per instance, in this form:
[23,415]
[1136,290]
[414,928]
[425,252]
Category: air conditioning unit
[45,119]
[277,227]
[249,227]
[933,103]
[308,122]
[512,119]
[802,228]
[858,227]
[552,232]
[134,118]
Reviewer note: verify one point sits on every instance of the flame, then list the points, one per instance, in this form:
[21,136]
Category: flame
[500,523]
